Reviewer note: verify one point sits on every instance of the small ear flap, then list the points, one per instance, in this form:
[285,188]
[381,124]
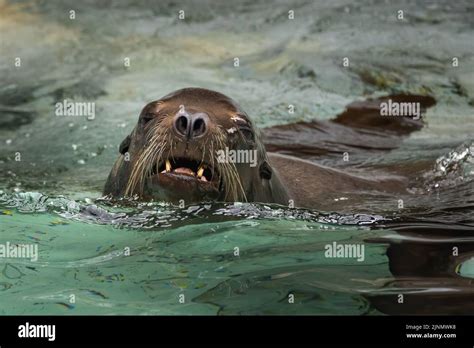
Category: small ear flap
[265,170]
[124,145]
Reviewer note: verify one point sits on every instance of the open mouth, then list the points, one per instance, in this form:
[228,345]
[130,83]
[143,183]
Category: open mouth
[187,168]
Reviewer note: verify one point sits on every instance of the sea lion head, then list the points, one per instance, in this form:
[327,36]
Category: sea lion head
[194,145]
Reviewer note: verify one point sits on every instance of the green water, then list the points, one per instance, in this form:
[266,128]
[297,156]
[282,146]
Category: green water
[139,259]
[115,265]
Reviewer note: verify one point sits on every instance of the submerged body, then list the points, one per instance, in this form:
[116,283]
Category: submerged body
[311,185]
[175,154]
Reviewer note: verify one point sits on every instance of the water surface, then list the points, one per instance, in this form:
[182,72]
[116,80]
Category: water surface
[51,197]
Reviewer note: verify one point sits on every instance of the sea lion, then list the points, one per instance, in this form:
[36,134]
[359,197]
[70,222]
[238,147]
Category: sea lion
[175,153]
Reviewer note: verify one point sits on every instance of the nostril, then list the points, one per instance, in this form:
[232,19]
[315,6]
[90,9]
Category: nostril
[181,124]
[199,127]
[191,126]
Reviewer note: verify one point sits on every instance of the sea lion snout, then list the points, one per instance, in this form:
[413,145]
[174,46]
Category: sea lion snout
[191,126]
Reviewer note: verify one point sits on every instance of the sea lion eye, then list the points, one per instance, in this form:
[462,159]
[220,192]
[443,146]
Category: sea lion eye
[147,117]
[246,131]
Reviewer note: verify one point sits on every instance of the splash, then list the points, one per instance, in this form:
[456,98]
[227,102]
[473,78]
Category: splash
[453,168]
[151,215]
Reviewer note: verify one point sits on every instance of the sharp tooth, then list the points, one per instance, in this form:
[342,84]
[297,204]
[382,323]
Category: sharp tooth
[200,171]
[168,166]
